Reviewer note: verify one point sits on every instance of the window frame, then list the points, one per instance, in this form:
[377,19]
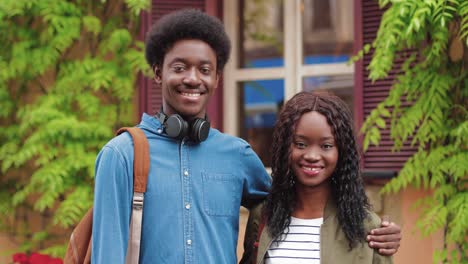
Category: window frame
[292,72]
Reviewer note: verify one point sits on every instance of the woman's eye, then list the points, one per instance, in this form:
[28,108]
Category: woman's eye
[300,145]
[327,146]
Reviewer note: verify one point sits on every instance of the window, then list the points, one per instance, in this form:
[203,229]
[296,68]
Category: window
[281,47]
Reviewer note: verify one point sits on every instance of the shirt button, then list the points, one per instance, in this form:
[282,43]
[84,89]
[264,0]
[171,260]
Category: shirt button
[159,131]
[187,206]
[186,173]
[189,242]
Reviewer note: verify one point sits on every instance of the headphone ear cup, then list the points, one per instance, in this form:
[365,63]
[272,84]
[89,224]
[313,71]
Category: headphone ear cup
[176,127]
[200,129]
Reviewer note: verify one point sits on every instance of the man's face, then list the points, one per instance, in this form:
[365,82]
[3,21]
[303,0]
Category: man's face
[188,78]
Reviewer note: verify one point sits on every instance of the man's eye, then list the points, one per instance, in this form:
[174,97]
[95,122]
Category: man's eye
[178,68]
[205,70]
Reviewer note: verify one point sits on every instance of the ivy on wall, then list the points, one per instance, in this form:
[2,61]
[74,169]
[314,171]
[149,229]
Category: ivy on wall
[68,74]
[427,106]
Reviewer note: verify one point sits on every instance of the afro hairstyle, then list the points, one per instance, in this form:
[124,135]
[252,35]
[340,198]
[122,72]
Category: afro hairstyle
[186,24]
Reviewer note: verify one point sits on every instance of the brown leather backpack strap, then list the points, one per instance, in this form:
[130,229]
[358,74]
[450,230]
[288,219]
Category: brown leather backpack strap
[141,161]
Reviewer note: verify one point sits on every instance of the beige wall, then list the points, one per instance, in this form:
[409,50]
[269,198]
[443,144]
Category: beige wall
[7,248]
[415,248]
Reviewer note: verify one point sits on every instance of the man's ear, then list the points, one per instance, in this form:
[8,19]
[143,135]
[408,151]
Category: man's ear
[157,74]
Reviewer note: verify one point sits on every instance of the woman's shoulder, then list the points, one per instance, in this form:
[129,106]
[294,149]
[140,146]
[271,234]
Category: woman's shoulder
[256,211]
[372,221]
[252,234]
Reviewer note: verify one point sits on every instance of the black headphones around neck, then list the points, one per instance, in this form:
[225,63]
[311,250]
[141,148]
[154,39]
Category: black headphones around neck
[176,127]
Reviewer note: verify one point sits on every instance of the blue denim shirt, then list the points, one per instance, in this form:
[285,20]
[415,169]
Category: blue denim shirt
[192,202]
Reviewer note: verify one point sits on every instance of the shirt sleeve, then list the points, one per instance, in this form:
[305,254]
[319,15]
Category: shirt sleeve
[112,205]
[257,182]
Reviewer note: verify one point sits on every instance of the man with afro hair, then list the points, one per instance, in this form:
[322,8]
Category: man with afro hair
[198,177]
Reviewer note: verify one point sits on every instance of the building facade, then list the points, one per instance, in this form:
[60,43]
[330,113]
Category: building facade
[281,47]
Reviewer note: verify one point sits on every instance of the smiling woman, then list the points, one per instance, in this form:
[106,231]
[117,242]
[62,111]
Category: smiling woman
[317,210]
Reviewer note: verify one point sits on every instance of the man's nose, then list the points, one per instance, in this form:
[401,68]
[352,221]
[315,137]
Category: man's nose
[192,78]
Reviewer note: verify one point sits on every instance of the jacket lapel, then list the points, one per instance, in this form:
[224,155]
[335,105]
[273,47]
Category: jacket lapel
[264,243]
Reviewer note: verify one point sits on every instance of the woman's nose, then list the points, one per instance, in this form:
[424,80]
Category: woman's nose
[312,154]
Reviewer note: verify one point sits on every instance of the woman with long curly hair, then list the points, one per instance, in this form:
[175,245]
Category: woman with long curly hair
[317,210]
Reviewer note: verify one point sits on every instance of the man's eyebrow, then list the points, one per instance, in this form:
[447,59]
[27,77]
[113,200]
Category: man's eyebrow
[183,60]
[177,59]
[206,62]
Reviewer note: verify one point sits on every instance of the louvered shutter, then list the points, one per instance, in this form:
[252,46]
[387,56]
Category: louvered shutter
[378,161]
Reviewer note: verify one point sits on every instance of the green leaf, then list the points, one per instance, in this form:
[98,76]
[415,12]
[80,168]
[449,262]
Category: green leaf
[40,236]
[92,24]
[380,123]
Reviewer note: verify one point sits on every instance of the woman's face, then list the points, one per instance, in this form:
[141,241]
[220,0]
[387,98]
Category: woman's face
[314,153]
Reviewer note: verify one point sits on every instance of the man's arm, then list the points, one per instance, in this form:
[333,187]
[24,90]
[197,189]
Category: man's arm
[257,182]
[386,238]
[112,207]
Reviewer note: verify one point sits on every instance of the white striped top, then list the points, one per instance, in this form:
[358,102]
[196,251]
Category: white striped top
[301,244]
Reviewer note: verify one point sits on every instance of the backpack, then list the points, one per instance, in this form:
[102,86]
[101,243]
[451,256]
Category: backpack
[79,247]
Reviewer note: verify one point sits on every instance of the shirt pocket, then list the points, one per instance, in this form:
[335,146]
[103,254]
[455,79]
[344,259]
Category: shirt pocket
[221,194]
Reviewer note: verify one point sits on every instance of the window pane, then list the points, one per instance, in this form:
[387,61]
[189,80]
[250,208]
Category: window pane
[328,31]
[261,101]
[340,85]
[261,33]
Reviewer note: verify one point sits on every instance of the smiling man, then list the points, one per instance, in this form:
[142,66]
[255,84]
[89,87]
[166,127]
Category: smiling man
[199,177]
[188,78]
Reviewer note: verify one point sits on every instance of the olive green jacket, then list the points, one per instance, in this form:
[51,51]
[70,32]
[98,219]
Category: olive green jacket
[334,246]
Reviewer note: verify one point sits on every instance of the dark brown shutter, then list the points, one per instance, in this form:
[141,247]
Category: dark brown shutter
[378,160]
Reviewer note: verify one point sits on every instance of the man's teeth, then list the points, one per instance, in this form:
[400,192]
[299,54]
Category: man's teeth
[191,94]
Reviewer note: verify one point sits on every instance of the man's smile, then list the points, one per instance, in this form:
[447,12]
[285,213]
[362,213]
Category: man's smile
[190,94]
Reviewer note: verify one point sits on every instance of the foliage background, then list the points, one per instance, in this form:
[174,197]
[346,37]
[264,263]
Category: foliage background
[67,80]
[427,106]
